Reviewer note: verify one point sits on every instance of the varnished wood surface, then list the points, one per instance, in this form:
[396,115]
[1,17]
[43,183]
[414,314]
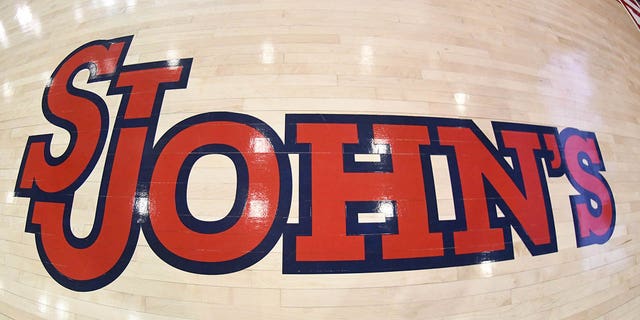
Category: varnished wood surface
[565,63]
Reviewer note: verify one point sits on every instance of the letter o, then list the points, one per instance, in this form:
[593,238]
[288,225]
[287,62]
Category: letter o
[263,195]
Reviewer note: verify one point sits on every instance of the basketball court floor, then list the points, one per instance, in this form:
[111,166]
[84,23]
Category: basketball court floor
[337,159]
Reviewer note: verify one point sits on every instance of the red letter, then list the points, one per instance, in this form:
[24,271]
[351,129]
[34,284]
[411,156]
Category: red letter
[255,222]
[332,189]
[82,113]
[93,262]
[594,211]
[486,178]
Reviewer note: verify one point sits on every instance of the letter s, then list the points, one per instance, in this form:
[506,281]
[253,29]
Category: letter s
[82,113]
[594,212]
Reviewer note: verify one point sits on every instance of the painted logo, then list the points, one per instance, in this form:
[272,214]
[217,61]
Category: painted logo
[144,183]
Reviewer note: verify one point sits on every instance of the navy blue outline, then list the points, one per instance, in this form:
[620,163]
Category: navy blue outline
[372,232]
[66,196]
[282,211]
[354,227]
[585,195]
[549,157]
[34,191]
[494,200]
[373,258]
[365,147]
[242,172]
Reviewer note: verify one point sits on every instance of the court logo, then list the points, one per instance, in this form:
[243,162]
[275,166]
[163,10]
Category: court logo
[143,185]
